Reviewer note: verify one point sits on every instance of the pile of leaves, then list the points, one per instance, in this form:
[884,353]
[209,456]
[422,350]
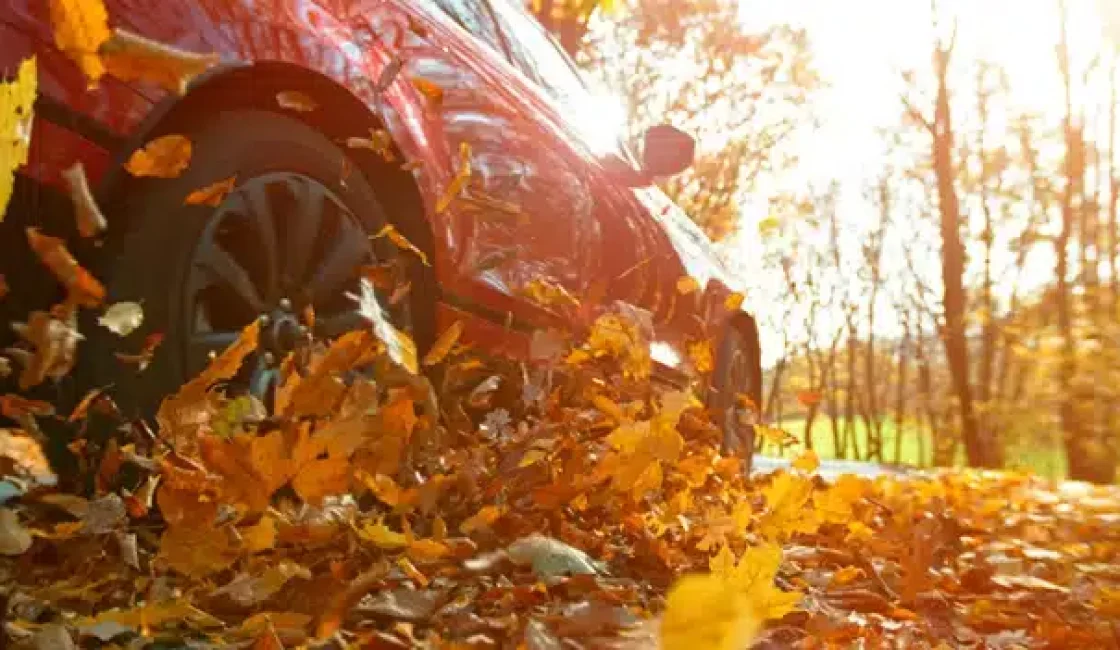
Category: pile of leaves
[519,505]
[567,501]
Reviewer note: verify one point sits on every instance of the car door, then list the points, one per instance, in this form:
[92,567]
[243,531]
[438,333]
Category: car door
[620,270]
[523,228]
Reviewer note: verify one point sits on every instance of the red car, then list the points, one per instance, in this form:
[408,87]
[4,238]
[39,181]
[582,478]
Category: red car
[552,206]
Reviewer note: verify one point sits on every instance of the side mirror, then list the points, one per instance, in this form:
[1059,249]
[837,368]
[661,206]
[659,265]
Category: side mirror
[667,151]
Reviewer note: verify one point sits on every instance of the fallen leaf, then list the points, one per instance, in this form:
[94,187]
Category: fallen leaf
[122,318]
[197,550]
[213,194]
[322,478]
[260,536]
[14,538]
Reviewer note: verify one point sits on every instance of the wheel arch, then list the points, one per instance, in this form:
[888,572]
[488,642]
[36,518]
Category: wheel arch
[339,114]
[745,325]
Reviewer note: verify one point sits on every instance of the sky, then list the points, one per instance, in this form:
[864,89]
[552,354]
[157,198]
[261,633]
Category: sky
[861,48]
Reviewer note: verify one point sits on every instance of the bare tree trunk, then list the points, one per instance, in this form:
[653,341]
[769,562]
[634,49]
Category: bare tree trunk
[850,438]
[979,445]
[900,392]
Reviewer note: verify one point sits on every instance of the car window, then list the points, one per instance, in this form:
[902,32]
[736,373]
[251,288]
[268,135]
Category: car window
[536,54]
[475,17]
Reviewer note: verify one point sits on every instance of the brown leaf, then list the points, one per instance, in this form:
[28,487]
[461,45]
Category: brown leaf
[322,478]
[89,219]
[82,288]
[197,550]
[444,343]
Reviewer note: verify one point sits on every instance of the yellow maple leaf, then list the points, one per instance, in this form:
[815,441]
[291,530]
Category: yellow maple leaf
[81,27]
[615,337]
[17,102]
[753,576]
[834,504]
[706,611]
[789,510]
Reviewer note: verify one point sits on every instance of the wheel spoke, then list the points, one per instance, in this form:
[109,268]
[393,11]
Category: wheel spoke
[224,269]
[304,220]
[349,249]
[253,202]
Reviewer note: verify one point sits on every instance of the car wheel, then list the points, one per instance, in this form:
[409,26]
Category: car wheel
[291,235]
[736,395]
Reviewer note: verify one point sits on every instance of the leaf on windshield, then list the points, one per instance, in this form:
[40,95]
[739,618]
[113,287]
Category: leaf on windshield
[81,27]
[130,57]
[164,157]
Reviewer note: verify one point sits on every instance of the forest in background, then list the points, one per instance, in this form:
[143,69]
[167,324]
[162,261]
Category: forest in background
[964,309]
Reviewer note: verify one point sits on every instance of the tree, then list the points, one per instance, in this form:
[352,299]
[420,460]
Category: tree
[742,95]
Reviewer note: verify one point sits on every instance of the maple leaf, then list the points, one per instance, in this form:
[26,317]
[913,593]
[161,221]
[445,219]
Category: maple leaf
[835,503]
[706,611]
[789,509]
[753,576]
[164,157]
[130,57]
[401,348]
[198,550]
[81,27]
[322,478]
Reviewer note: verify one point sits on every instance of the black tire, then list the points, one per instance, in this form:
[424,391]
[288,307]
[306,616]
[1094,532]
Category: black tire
[738,372]
[151,257]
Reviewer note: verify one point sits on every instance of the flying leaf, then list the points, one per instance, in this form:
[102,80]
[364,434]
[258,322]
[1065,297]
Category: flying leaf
[808,398]
[379,142]
[55,347]
[164,157]
[400,347]
[705,611]
[17,103]
[753,575]
[130,57]
[443,344]
[768,225]
[459,182]
[687,285]
[89,219]
[383,537]
[80,29]
[401,242]
[122,318]
[213,194]
[294,100]
[82,288]
[484,518]
[734,301]
[427,550]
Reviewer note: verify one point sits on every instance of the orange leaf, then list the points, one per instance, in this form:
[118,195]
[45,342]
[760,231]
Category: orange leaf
[212,194]
[164,157]
[428,88]
[484,518]
[322,478]
[808,398]
[261,536]
[459,183]
[294,100]
[80,28]
[402,242]
[83,288]
[687,285]
[427,550]
[443,344]
[197,551]
[701,356]
[130,57]
[807,462]
[734,301]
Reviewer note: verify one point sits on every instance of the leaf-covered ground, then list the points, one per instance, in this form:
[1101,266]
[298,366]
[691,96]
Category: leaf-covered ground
[546,505]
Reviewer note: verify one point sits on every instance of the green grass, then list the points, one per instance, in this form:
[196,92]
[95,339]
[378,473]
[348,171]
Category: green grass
[1042,459]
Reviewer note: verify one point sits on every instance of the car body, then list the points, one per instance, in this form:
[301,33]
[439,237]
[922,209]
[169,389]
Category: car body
[579,213]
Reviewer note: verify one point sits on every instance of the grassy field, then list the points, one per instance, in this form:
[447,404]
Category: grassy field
[1044,460]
